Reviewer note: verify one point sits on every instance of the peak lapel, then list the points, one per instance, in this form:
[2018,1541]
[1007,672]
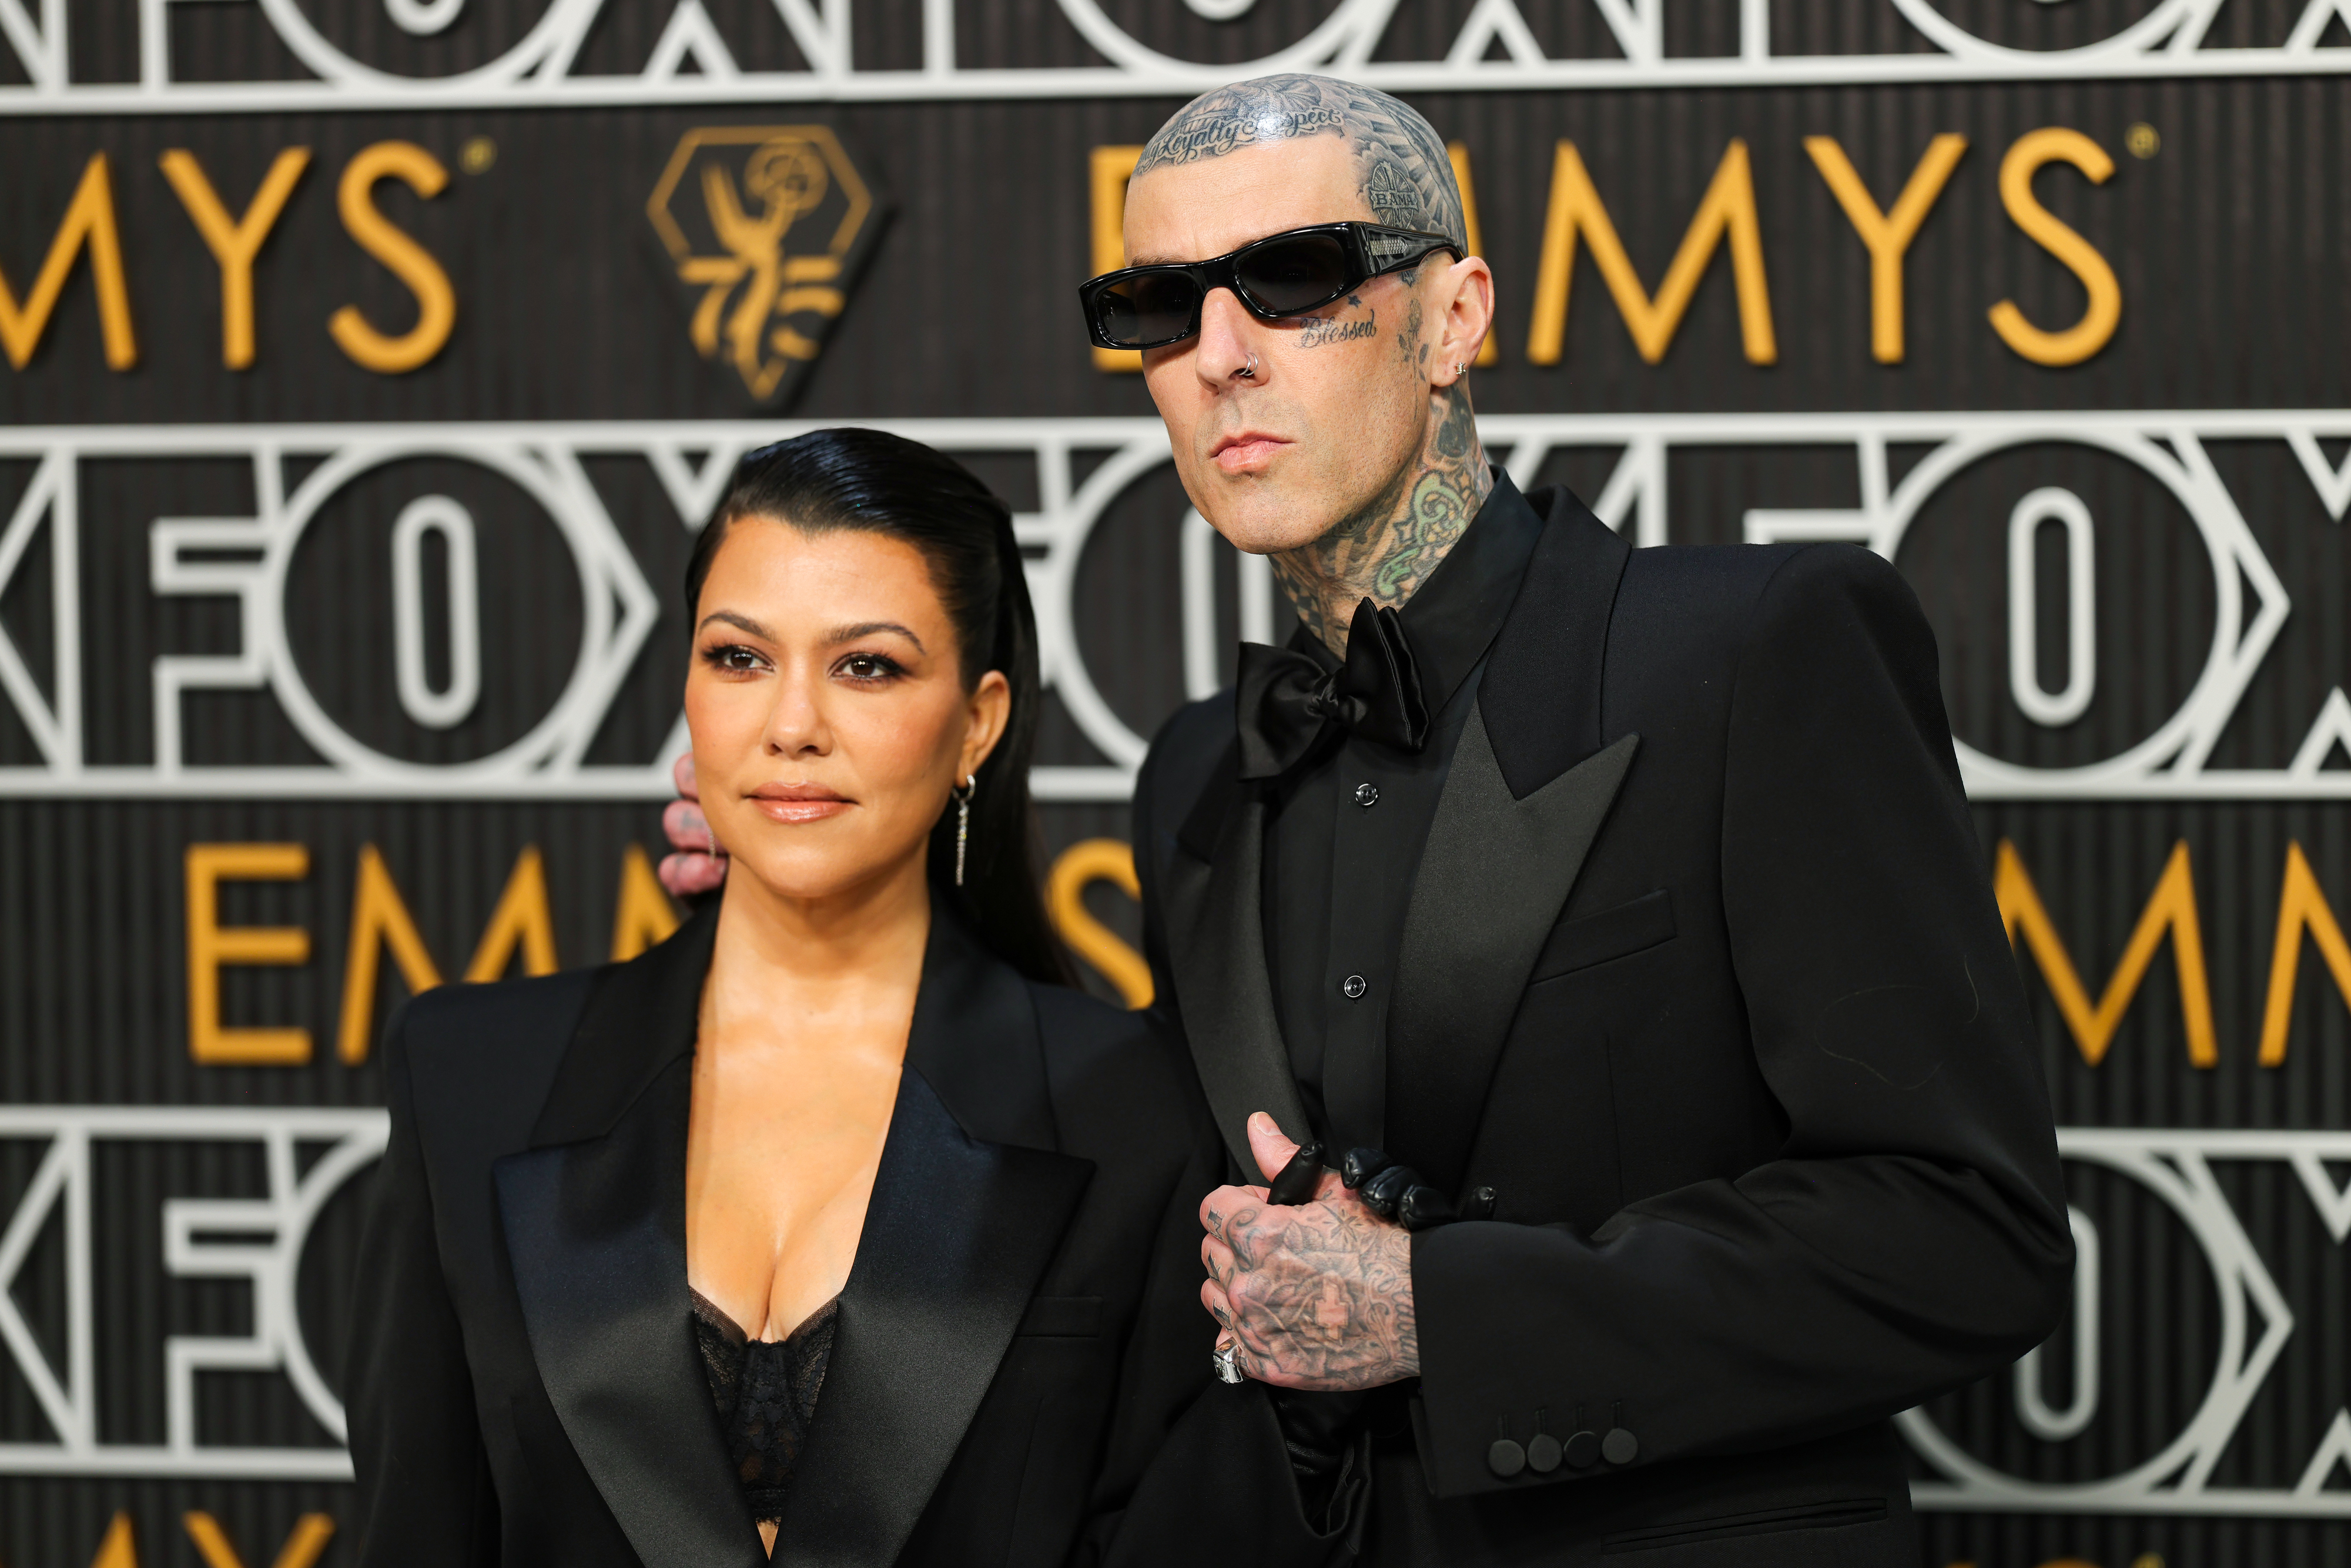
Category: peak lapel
[957,1235]
[1215,940]
[595,1228]
[596,1232]
[1492,880]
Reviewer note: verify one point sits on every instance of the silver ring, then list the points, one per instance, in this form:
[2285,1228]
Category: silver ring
[1226,1360]
[1246,372]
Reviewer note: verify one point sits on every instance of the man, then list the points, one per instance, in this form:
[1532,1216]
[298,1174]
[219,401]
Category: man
[1627,900]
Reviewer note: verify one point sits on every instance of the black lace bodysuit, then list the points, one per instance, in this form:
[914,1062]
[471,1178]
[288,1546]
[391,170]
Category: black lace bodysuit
[765,1393]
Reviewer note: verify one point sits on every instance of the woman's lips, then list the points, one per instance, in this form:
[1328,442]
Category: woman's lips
[799,803]
[1249,451]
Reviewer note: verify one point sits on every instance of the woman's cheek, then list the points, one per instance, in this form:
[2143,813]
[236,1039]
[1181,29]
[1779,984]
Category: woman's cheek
[901,741]
[724,720]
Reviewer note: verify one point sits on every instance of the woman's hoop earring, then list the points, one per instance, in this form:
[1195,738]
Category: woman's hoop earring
[963,820]
[1246,372]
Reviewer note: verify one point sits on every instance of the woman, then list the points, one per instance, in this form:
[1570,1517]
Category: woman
[836,1226]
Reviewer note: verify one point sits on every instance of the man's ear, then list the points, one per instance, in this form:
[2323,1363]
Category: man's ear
[1465,316]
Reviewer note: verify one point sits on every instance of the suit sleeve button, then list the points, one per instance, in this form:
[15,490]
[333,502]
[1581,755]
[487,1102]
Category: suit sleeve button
[1542,1453]
[1505,1458]
[1620,1447]
[1582,1450]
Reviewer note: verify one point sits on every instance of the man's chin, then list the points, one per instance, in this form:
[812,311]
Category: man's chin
[1259,535]
[1265,518]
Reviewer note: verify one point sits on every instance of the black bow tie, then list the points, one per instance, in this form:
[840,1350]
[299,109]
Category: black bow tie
[1290,706]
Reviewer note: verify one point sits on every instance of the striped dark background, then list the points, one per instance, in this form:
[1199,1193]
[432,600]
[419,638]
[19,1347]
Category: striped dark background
[2228,243]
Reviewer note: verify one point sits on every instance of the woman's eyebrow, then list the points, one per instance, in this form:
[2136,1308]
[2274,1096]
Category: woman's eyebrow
[867,629]
[741,623]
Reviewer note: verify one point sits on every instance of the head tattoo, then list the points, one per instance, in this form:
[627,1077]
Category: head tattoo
[1401,166]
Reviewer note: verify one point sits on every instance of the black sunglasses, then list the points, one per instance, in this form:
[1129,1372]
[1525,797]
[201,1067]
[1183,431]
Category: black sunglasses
[1282,275]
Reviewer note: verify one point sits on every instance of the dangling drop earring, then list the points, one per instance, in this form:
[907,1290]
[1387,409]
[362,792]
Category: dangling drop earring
[963,820]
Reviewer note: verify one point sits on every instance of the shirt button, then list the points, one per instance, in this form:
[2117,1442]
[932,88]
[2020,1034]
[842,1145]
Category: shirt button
[1354,985]
[1367,795]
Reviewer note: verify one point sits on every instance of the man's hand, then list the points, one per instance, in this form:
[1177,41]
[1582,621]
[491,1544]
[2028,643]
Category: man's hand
[699,864]
[1318,1296]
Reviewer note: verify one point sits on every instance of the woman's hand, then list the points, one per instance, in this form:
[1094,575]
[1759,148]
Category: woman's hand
[1317,1296]
[699,864]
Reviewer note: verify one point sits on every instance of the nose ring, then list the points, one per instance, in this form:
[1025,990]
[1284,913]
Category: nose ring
[1248,371]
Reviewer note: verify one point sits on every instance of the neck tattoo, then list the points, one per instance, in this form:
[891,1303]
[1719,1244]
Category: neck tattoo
[1387,550]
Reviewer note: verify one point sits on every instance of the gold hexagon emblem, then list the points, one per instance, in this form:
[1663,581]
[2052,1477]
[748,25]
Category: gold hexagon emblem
[769,223]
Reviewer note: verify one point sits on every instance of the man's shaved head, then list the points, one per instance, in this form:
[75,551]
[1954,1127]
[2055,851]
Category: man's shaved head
[1338,442]
[1401,166]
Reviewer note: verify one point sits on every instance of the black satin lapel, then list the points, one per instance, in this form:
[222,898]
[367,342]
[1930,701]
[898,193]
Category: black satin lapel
[1215,940]
[596,1231]
[957,1235]
[1492,880]
[974,1039]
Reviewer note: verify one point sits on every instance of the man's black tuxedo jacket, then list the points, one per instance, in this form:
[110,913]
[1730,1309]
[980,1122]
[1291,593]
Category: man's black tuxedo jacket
[1702,974]
[526,1388]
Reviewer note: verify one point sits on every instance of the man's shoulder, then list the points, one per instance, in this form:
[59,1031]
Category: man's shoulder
[1726,595]
[1710,580]
[1199,725]
[1185,755]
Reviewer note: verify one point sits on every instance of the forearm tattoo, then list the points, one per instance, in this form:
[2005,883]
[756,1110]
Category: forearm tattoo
[1319,1296]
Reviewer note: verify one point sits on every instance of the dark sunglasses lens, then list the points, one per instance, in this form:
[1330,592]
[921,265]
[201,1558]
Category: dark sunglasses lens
[1296,273]
[1151,309]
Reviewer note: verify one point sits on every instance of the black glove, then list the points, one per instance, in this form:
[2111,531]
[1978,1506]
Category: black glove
[1398,1192]
[1298,1178]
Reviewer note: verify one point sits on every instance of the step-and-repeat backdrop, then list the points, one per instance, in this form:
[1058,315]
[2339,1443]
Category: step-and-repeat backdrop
[371,362]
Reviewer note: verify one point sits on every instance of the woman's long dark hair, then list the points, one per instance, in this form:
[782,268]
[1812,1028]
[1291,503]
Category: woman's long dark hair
[883,484]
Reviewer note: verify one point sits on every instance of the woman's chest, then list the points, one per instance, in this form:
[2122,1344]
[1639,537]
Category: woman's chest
[780,1168]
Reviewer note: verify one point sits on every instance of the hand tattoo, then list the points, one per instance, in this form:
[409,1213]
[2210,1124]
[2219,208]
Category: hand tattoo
[1319,1296]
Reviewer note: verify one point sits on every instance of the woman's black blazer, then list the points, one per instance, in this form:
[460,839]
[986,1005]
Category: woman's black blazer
[1020,1328]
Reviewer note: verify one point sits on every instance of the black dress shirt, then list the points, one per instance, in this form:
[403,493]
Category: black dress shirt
[1344,836]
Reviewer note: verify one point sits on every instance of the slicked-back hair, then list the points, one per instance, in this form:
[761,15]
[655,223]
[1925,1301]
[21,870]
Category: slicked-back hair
[1401,169]
[873,482]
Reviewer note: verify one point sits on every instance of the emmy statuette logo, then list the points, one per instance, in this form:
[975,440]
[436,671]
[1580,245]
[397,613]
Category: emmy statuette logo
[766,227]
